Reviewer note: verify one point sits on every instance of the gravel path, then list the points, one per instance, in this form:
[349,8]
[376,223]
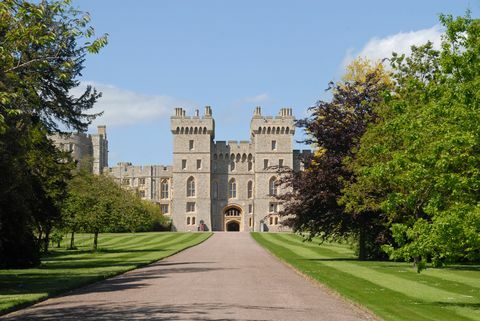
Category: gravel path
[228,277]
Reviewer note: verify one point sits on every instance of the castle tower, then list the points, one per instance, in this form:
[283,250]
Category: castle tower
[192,144]
[272,138]
[100,150]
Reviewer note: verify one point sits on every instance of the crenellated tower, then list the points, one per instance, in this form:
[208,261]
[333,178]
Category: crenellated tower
[272,137]
[192,145]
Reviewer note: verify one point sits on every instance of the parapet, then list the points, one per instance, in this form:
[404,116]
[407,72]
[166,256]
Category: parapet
[284,123]
[196,124]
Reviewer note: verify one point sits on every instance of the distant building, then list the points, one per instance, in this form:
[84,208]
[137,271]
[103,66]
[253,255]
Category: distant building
[212,185]
[82,146]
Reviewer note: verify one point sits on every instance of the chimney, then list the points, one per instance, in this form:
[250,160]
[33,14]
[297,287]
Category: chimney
[102,130]
[208,111]
[258,111]
[178,112]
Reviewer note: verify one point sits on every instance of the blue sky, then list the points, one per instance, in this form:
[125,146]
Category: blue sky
[234,55]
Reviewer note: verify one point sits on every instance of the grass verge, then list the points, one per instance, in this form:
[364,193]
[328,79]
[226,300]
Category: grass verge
[391,290]
[64,270]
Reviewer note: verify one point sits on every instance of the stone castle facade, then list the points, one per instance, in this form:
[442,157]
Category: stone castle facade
[214,185]
[82,146]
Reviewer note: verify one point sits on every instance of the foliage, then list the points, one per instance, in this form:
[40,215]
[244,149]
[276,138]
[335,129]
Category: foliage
[334,128]
[420,163]
[43,47]
[96,203]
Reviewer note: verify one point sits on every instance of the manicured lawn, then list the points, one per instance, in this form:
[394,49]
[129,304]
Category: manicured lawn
[63,270]
[393,291]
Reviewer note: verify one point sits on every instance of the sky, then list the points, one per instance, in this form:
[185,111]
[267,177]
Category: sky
[233,56]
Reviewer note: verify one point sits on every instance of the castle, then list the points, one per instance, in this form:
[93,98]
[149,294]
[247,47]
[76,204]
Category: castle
[212,185]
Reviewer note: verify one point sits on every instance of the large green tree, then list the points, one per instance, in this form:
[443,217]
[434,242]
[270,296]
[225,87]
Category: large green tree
[420,163]
[43,47]
[334,129]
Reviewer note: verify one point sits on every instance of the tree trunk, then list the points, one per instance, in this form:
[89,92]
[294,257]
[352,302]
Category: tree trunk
[46,242]
[72,240]
[95,241]
[362,251]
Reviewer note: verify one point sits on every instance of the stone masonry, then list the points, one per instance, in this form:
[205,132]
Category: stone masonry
[212,185]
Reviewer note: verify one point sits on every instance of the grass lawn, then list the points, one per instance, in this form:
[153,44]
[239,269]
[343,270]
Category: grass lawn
[393,291]
[63,270]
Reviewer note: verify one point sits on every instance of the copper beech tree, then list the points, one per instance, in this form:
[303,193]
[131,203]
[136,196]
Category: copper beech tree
[333,129]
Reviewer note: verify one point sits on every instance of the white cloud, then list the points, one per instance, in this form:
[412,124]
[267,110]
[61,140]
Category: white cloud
[260,98]
[125,107]
[379,48]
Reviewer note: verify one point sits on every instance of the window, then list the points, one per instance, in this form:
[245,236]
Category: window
[199,163]
[250,221]
[164,208]
[188,220]
[280,163]
[190,145]
[141,181]
[273,208]
[193,220]
[232,212]
[190,206]
[274,144]
[265,163]
[191,187]
[250,166]
[250,208]
[271,220]
[273,186]
[215,190]
[232,189]
[184,164]
[249,189]
[232,166]
[275,220]
[141,194]
[126,181]
[164,189]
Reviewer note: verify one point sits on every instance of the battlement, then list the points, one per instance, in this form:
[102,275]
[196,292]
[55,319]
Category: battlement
[283,123]
[192,125]
[126,169]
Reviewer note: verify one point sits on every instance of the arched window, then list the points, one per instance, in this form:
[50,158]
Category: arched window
[272,186]
[188,220]
[215,190]
[232,165]
[250,166]
[191,187]
[250,189]
[164,189]
[193,220]
[232,188]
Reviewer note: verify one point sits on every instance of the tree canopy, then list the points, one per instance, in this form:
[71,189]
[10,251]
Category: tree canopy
[43,49]
[420,163]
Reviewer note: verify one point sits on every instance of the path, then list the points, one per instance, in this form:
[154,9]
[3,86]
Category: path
[228,277]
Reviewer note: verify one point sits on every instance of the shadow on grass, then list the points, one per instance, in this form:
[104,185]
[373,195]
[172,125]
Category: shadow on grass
[465,267]
[217,311]
[474,306]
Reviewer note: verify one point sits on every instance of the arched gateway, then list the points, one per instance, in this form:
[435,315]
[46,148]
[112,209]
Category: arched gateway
[232,216]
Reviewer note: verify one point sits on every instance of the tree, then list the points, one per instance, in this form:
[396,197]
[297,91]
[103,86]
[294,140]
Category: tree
[334,128]
[43,51]
[96,204]
[419,164]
